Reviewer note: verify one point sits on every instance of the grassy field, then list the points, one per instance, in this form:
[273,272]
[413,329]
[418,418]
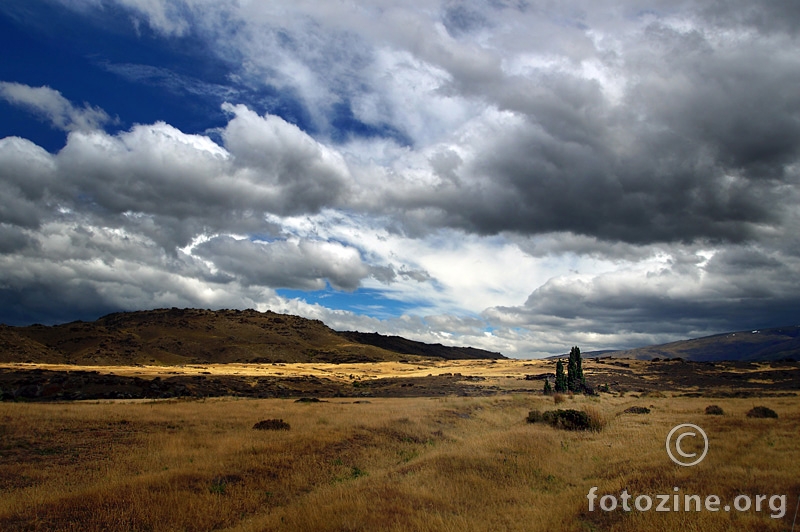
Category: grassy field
[415,464]
[343,372]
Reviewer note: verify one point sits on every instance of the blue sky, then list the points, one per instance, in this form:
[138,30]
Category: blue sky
[516,176]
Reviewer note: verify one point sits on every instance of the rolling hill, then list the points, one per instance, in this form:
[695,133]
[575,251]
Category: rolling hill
[755,345]
[398,344]
[192,336]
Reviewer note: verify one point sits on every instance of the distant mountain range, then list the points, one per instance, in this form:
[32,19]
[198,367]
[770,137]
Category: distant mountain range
[194,336]
[754,345]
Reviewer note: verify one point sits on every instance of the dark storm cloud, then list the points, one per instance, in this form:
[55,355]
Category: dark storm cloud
[50,303]
[543,186]
[738,288]
[26,173]
[732,102]
[73,269]
[702,145]
[559,244]
[13,239]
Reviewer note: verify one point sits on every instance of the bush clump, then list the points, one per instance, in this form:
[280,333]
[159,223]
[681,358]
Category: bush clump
[714,410]
[762,412]
[271,424]
[636,410]
[568,419]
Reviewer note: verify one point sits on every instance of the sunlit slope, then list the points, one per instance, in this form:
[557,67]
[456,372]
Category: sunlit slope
[181,336]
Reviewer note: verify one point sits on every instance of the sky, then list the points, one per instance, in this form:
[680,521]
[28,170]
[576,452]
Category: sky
[514,175]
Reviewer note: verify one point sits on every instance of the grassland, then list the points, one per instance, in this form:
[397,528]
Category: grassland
[393,464]
[406,378]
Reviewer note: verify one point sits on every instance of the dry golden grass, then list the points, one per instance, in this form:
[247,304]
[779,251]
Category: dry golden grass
[492,369]
[452,464]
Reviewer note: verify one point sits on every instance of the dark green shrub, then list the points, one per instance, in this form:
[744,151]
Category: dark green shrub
[762,412]
[636,410]
[568,419]
[714,410]
[271,424]
[534,416]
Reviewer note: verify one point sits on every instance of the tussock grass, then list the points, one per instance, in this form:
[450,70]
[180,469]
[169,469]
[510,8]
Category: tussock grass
[762,412]
[419,464]
[596,416]
[272,424]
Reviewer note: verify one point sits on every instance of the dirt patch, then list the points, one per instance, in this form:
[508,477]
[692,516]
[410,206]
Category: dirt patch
[40,385]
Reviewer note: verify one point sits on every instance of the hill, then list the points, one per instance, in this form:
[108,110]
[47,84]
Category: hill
[756,345]
[195,336]
[398,344]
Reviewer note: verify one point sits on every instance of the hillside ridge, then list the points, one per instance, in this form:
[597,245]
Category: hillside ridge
[195,336]
[748,346]
[411,347]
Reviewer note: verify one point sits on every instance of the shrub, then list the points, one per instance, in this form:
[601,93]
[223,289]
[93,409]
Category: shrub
[558,398]
[534,416]
[762,412]
[566,419]
[271,424]
[714,410]
[636,410]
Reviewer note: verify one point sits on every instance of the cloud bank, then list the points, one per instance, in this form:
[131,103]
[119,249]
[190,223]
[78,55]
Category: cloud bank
[520,176]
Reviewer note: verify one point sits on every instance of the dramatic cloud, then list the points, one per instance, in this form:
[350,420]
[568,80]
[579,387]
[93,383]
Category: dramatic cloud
[300,264]
[691,295]
[519,176]
[26,170]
